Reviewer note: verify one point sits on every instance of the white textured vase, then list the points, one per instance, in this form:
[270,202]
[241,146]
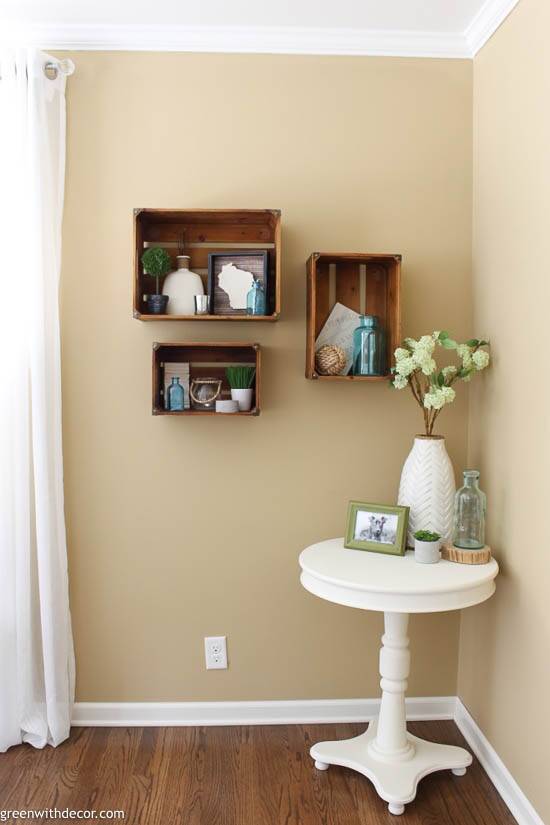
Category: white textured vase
[428,487]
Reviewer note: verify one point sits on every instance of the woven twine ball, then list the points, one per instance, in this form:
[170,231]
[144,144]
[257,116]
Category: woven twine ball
[330,360]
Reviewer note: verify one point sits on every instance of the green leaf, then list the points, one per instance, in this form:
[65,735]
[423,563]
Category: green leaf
[443,335]
[448,343]
[464,372]
[440,379]
[241,377]
[483,344]
[473,342]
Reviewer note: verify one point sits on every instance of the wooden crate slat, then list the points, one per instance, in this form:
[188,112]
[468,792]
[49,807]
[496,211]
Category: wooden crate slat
[322,296]
[348,284]
[210,216]
[202,233]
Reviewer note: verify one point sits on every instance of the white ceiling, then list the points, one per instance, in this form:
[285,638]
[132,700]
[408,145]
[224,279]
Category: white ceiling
[446,28]
[417,15]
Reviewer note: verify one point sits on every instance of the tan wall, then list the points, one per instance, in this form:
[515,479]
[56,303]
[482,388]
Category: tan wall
[179,529]
[504,661]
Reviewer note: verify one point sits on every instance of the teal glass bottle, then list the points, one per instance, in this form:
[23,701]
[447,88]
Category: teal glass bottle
[470,511]
[176,396]
[369,347]
[255,299]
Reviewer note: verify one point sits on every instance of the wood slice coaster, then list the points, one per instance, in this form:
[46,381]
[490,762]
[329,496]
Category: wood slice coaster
[461,556]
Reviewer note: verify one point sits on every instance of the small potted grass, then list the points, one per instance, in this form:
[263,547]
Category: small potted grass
[240,380]
[426,546]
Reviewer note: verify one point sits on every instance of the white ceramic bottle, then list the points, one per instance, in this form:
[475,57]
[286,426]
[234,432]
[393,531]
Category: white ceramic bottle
[181,286]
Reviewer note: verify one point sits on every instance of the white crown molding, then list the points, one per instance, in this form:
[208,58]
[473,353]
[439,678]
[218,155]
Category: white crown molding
[264,39]
[497,771]
[486,22]
[242,39]
[181,714]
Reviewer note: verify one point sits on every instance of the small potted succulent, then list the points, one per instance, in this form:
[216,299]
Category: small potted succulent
[156,263]
[240,380]
[426,546]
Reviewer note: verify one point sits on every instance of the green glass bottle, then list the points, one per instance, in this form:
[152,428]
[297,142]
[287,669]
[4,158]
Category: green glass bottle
[369,347]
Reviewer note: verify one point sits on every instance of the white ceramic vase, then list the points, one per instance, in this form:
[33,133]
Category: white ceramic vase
[243,398]
[428,487]
[181,286]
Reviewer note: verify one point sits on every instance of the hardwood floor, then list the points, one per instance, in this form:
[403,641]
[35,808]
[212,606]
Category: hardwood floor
[232,776]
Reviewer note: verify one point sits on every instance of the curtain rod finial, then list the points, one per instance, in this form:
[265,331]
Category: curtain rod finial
[65,66]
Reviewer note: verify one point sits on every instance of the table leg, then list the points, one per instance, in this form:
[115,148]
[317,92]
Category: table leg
[393,759]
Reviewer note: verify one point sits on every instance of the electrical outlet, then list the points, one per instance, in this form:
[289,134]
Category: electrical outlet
[215,652]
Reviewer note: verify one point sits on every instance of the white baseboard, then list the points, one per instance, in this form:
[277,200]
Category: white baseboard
[498,773]
[303,711]
[147,714]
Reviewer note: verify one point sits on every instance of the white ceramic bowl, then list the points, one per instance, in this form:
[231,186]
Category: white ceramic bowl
[226,406]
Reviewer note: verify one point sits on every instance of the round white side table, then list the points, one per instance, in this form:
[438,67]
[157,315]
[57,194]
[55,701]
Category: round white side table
[393,759]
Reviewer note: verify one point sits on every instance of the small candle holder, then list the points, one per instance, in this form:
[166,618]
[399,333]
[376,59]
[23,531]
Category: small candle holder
[202,304]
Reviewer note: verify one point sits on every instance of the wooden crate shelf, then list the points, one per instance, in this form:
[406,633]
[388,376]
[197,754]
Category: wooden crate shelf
[204,231]
[368,284]
[206,360]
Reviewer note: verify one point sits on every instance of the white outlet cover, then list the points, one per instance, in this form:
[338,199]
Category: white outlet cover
[215,652]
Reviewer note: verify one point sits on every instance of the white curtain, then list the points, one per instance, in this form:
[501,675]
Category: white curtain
[36,649]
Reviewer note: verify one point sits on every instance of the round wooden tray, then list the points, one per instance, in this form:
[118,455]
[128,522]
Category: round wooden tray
[460,556]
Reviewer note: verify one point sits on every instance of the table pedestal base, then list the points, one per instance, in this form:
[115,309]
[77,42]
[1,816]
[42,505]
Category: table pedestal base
[395,782]
[393,759]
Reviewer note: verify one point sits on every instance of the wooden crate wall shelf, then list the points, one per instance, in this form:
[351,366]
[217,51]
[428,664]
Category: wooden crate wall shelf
[206,360]
[368,284]
[204,231]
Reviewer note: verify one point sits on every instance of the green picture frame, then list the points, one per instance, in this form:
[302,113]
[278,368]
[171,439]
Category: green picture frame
[379,528]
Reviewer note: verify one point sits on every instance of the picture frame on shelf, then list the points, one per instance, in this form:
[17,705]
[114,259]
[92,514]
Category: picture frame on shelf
[230,278]
[379,528]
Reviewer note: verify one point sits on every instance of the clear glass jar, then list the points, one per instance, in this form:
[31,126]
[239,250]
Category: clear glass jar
[470,510]
[255,299]
[176,396]
[203,393]
[369,347]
